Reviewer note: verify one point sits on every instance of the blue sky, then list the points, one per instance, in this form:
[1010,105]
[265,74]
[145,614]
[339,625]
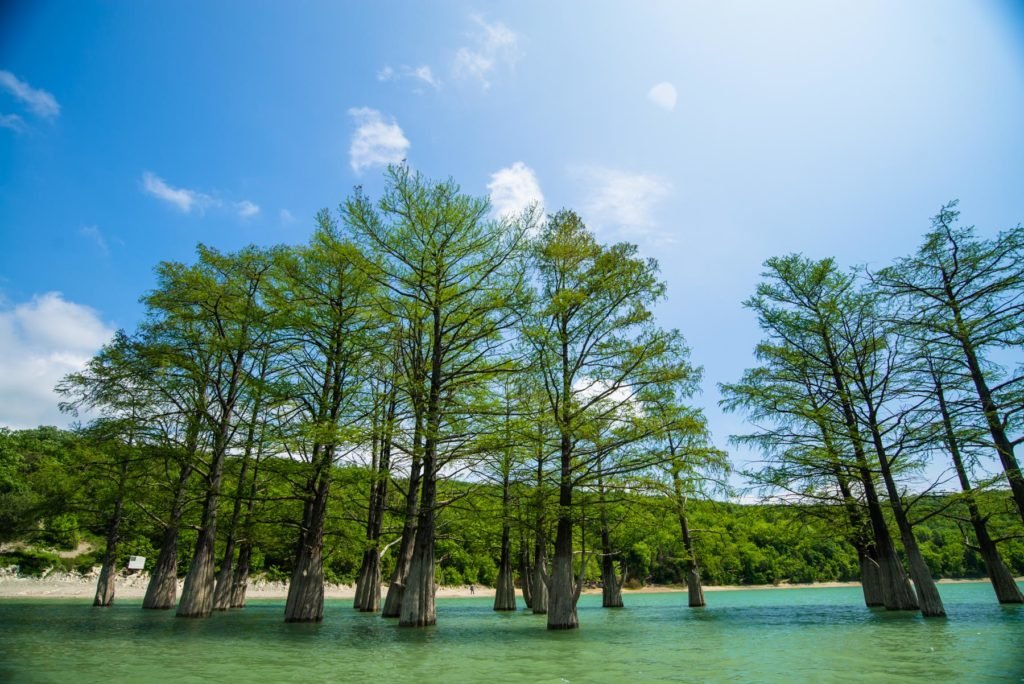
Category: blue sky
[713,134]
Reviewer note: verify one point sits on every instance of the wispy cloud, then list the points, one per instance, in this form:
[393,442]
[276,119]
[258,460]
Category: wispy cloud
[664,95]
[514,189]
[39,101]
[94,234]
[184,199]
[13,122]
[376,141]
[622,203]
[41,341]
[188,200]
[247,209]
[420,74]
[285,217]
[494,45]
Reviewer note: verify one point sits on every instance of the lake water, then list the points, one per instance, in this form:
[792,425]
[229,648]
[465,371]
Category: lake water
[813,635]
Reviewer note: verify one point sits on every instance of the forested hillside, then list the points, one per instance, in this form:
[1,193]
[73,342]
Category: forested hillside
[51,501]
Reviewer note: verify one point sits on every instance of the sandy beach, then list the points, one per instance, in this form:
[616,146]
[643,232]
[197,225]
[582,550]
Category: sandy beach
[72,585]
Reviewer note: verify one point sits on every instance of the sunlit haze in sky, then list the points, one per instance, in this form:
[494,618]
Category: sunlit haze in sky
[712,134]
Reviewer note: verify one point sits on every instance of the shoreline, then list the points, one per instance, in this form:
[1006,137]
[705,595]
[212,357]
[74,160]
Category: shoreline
[61,585]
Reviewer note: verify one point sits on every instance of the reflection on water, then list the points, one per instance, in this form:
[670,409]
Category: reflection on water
[769,635]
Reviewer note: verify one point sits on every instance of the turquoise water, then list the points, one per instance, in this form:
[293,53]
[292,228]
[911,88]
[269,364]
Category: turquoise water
[814,635]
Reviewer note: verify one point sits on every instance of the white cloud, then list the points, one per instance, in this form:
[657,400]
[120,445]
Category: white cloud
[285,217]
[495,45]
[13,122]
[247,209]
[93,233]
[620,202]
[421,74]
[184,199]
[39,101]
[664,95]
[375,142]
[513,189]
[41,341]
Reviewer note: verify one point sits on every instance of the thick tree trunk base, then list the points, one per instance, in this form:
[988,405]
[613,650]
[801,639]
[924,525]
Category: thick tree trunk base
[162,591]
[694,589]
[999,575]
[393,601]
[367,598]
[306,590]
[224,585]
[240,582]
[611,592]
[897,592]
[505,591]
[105,585]
[418,600]
[562,597]
[871,581]
[197,594]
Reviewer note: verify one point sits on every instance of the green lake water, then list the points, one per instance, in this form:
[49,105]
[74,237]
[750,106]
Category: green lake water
[812,635]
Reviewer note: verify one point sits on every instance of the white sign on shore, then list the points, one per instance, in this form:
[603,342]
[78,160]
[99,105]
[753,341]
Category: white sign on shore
[136,562]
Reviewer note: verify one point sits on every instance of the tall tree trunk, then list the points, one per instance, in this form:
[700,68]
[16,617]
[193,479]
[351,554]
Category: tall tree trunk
[1002,580]
[525,573]
[1000,439]
[225,585]
[306,590]
[108,570]
[541,580]
[197,593]
[897,592]
[927,592]
[563,591]
[694,588]
[870,577]
[505,592]
[162,591]
[403,560]
[611,588]
[367,598]
[418,598]
[240,582]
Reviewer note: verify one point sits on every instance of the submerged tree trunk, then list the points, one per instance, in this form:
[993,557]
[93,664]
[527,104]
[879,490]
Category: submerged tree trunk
[541,580]
[505,591]
[306,590]
[162,591]
[403,560]
[563,589]
[197,593]
[108,570]
[1002,580]
[694,588]
[418,597]
[525,574]
[897,592]
[924,584]
[870,577]
[240,581]
[996,425]
[367,598]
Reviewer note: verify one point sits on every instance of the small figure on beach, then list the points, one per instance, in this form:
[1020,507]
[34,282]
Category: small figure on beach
[472,590]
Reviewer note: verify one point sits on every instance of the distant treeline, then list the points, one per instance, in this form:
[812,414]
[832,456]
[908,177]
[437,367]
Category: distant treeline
[47,499]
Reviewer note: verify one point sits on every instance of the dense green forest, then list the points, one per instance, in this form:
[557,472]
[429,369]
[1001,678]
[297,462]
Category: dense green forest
[424,393]
[49,502]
